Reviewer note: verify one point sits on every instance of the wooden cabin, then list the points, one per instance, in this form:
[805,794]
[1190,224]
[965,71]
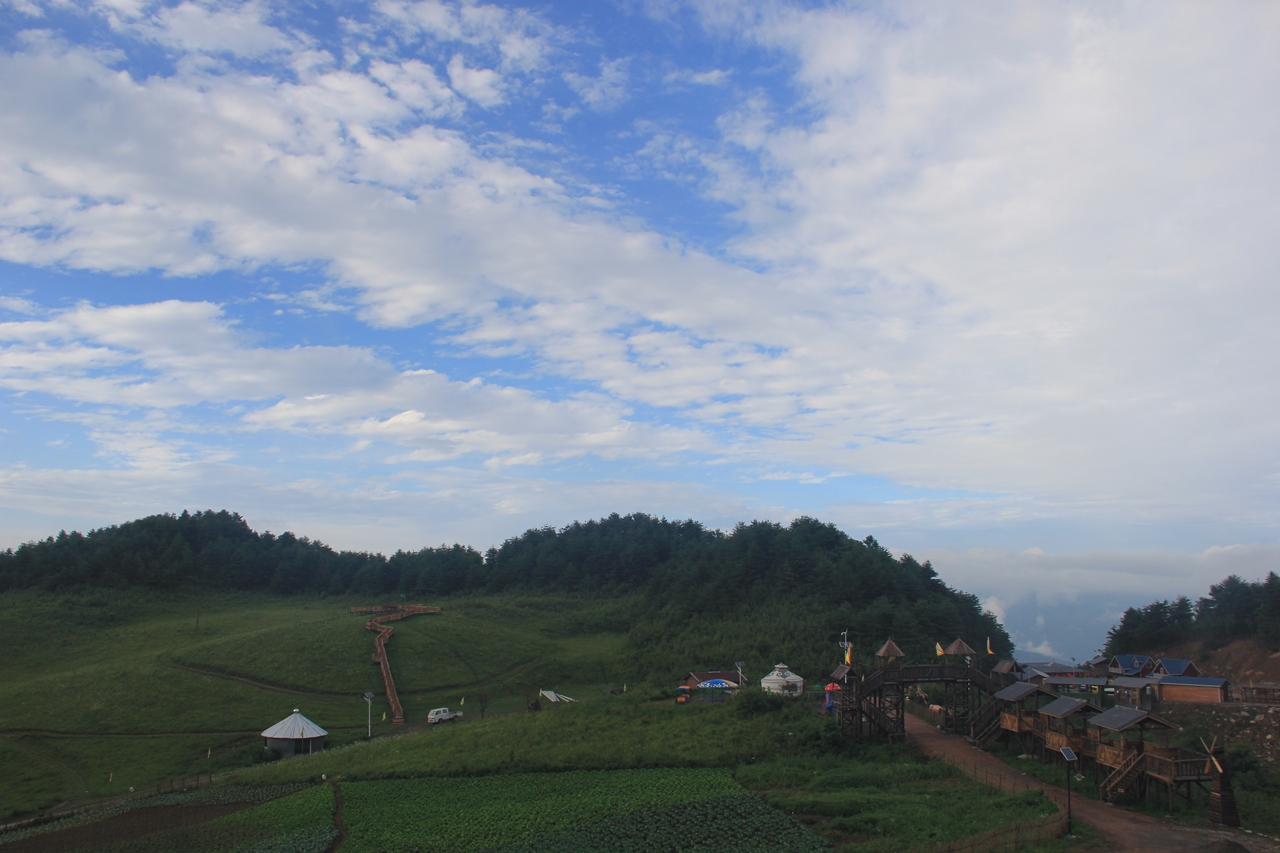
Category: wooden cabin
[1123,744]
[1176,666]
[1134,666]
[1138,692]
[1062,723]
[1020,704]
[1076,685]
[1120,733]
[1175,688]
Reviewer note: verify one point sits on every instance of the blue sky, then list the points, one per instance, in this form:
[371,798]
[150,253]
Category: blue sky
[993,282]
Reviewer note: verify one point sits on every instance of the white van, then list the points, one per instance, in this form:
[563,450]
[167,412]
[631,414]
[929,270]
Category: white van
[442,715]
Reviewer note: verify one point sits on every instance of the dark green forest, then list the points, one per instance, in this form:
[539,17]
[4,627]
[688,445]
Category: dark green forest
[701,597]
[1233,609]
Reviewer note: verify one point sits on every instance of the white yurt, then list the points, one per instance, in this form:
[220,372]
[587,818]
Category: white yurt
[782,680]
[294,735]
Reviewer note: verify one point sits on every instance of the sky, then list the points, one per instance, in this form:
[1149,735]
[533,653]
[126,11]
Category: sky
[995,283]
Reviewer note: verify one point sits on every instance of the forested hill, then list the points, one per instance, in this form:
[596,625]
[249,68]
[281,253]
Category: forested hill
[696,588]
[1234,609]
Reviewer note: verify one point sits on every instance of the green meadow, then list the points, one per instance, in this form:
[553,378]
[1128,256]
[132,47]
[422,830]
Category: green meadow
[106,690]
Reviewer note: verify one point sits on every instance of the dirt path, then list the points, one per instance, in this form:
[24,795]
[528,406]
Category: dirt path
[1127,831]
[337,819]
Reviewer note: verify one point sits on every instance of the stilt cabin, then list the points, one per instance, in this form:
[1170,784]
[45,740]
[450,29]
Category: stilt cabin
[1020,709]
[1062,723]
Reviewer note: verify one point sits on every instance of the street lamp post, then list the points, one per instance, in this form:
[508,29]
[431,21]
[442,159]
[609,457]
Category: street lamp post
[368,698]
[1070,755]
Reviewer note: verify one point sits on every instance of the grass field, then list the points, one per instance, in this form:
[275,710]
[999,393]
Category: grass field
[110,690]
[107,690]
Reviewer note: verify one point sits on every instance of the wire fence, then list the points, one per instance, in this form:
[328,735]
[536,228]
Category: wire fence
[165,787]
[1010,837]
[125,826]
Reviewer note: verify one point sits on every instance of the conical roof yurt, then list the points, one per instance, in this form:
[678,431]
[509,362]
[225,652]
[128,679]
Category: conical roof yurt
[959,647]
[294,735]
[782,680]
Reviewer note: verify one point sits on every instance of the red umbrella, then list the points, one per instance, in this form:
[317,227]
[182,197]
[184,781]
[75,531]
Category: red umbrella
[832,686]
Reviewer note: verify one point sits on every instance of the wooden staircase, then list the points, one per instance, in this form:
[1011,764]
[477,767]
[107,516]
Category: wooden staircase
[1123,776]
[985,726]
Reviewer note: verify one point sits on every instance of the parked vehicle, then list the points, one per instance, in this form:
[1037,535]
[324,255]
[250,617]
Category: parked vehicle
[442,715]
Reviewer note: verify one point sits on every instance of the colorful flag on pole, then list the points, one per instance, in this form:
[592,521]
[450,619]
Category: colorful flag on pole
[990,651]
[848,655]
[938,647]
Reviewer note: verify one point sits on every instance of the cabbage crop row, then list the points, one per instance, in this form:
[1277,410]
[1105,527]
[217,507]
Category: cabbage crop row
[453,815]
[733,823]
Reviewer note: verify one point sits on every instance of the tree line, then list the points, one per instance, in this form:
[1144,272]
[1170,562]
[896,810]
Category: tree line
[1233,609]
[700,593]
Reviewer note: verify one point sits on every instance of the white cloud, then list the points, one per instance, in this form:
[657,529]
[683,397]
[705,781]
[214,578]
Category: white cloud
[686,76]
[18,305]
[376,513]
[479,84]
[1134,576]
[1021,253]
[25,7]
[604,92]
[166,356]
[234,29]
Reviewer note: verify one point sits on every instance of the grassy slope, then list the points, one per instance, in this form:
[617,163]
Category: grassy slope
[136,675]
[884,796]
[121,664]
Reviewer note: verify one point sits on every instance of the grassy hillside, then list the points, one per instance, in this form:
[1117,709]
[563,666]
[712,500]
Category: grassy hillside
[112,689]
[161,648]
[621,773]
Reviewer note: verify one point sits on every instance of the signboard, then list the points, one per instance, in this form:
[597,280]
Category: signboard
[1068,753]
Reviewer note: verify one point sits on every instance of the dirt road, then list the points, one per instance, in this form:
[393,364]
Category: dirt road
[1127,831]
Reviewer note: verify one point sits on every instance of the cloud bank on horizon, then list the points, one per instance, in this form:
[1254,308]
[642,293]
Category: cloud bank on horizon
[984,280]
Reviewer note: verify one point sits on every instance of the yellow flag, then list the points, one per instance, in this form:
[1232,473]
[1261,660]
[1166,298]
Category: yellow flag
[463,700]
[990,651]
[848,655]
[938,646]
[384,716]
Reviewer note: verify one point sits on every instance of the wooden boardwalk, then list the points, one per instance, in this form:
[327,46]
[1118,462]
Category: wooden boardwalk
[390,613]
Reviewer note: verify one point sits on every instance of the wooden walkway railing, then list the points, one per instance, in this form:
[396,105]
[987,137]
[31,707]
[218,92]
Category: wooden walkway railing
[390,613]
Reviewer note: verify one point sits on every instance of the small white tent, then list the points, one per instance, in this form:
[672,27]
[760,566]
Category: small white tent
[782,680]
[553,696]
[294,735]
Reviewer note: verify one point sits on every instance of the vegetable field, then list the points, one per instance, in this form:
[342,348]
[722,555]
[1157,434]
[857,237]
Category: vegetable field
[301,822]
[456,815]
[732,823]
